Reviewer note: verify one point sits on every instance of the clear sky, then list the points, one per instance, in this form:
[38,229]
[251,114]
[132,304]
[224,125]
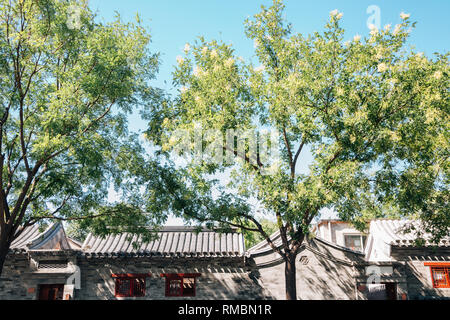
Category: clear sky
[173,23]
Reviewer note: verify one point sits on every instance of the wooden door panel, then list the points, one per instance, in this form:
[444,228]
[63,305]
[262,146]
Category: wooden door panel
[51,291]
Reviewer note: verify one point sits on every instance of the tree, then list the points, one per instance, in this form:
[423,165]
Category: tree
[357,105]
[67,84]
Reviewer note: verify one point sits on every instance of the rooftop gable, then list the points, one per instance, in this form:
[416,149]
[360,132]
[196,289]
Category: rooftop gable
[52,238]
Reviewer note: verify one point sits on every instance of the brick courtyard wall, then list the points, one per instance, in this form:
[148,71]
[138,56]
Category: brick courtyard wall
[220,279]
[324,272]
[19,281]
[418,275]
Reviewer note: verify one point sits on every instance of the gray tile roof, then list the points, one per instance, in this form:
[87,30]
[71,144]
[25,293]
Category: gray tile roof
[392,232]
[171,242]
[32,238]
[26,237]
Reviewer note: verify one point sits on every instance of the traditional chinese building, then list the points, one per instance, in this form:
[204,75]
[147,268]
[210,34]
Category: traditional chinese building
[182,263]
[420,271]
[387,265]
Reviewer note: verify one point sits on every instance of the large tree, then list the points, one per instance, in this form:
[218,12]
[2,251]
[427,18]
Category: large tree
[67,84]
[372,112]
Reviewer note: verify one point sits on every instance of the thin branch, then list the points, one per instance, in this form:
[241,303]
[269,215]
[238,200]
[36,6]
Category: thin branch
[299,151]
[288,147]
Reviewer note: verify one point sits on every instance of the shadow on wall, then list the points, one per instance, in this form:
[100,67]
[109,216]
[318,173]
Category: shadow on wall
[242,286]
[419,282]
[220,283]
[326,277]
[97,284]
[323,272]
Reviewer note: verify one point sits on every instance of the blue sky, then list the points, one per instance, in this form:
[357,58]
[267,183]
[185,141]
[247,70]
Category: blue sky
[173,23]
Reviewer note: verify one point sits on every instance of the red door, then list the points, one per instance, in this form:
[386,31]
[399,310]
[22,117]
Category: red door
[51,291]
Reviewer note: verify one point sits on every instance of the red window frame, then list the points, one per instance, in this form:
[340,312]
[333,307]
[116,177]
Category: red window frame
[172,277]
[440,274]
[134,290]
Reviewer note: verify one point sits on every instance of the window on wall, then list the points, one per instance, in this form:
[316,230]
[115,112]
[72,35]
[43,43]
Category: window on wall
[130,285]
[180,285]
[440,274]
[355,242]
[189,286]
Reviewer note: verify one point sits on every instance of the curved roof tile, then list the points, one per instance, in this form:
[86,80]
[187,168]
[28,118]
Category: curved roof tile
[171,241]
[34,239]
[25,237]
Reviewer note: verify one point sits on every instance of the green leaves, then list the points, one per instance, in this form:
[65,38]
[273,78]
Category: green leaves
[67,84]
[373,113]
[212,84]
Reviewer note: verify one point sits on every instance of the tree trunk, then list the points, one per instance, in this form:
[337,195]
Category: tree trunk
[3,252]
[5,244]
[290,277]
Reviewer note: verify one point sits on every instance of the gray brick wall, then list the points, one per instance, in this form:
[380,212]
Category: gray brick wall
[419,283]
[19,282]
[227,280]
[323,272]
[223,279]
[318,277]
